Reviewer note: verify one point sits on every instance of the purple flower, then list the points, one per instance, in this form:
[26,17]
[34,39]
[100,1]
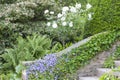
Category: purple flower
[45,64]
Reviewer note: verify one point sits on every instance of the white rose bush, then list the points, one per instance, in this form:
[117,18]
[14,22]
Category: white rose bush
[68,24]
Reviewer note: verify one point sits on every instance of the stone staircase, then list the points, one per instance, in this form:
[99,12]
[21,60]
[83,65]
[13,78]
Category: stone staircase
[101,71]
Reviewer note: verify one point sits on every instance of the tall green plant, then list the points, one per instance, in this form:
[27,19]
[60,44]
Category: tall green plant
[32,47]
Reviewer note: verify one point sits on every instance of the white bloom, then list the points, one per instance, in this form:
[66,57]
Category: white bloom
[88,6]
[54,25]
[48,24]
[71,24]
[73,9]
[78,6]
[64,9]
[89,16]
[64,23]
[63,18]
[51,12]
[63,13]
[46,11]
[59,15]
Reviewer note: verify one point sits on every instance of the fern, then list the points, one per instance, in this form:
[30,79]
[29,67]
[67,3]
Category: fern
[32,47]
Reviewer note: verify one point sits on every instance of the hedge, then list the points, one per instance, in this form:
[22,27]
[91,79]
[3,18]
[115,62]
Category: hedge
[106,17]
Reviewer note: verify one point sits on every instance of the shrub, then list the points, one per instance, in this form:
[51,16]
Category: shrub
[33,47]
[106,17]
[68,25]
[26,10]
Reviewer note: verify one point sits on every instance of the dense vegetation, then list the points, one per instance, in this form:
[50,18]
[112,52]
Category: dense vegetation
[35,28]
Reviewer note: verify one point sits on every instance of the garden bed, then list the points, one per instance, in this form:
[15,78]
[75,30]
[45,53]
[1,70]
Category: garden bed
[78,58]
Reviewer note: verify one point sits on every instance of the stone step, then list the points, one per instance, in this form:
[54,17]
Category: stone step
[101,71]
[117,63]
[89,78]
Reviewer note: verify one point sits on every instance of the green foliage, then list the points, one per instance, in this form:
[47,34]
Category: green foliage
[26,10]
[106,17]
[81,55]
[33,47]
[109,63]
[117,53]
[109,76]
[9,76]
[59,47]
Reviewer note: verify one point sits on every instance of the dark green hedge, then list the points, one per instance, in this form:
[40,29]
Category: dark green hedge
[106,17]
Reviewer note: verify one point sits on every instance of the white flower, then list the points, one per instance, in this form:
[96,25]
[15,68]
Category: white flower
[46,11]
[71,24]
[63,18]
[64,9]
[54,25]
[48,24]
[64,23]
[63,13]
[78,6]
[89,16]
[51,12]
[73,9]
[88,6]
[59,15]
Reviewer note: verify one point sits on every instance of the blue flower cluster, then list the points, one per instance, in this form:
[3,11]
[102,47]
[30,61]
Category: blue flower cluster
[40,66]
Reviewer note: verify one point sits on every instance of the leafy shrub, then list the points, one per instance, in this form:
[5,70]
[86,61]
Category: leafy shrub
[106,17]
[26,10]
[33,47]
[68,24]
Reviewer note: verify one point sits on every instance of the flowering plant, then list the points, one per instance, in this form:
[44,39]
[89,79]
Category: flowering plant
[68,25]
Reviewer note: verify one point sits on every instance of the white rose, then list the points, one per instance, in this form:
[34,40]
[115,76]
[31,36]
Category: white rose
[54,25]
[71,24]
[51,12]
[46,11]
[90,16]
[48,24]
[78,6]
[64,9]
[64,23]
[88,6]
[59,15]
[73,9]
